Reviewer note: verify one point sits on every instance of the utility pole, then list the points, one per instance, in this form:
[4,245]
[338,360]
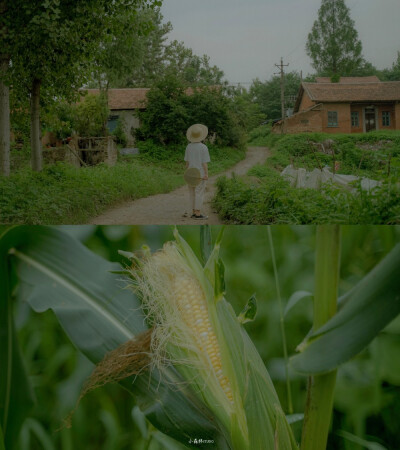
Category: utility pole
[282,74]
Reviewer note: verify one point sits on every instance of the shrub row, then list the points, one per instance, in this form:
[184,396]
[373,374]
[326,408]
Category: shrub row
[268,199]
[65,194]
[369,154]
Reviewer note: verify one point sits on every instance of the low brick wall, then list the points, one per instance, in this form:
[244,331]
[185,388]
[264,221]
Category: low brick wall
[304,122]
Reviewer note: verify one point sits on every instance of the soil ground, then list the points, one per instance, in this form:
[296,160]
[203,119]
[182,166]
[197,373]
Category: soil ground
[168,209]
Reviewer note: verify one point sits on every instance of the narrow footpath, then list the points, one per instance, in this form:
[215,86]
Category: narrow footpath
[168,209]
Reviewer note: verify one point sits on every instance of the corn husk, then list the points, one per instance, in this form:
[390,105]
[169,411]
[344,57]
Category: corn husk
[243,397]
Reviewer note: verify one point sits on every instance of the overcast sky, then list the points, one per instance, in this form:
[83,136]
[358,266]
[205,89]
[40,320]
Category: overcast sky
[245,38]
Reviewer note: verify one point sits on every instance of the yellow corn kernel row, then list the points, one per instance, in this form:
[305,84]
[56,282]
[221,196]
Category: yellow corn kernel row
[193,308]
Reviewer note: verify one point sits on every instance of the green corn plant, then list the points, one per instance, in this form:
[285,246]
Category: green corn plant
[188,361]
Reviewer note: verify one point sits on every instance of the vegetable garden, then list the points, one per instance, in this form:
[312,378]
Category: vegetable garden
[265,198]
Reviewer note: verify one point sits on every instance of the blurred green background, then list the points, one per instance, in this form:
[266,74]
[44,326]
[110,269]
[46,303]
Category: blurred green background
[367,396]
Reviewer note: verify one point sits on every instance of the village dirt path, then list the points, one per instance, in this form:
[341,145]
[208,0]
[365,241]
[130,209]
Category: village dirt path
[168,209]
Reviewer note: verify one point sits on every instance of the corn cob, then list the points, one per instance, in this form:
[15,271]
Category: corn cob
[193,308]
[196,330]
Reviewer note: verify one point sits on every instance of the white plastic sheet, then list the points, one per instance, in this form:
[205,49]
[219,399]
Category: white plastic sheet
[301,178]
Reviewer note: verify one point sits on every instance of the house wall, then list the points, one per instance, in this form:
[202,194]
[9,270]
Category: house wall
[360,110]
[130,122]
[316,120]
[391,109]
[306,102]
[303,122]
[397,115]
[344,117]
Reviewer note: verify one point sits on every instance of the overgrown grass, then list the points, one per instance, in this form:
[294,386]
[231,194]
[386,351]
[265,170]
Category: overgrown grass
[266,198]
[260,136]
[371,154]
[64,194]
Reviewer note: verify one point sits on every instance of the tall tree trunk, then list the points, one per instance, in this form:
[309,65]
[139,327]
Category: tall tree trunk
[36,145]
[4,120]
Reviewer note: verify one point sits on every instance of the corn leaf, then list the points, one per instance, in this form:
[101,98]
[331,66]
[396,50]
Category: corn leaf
[205,243]
[369,445]
[371,305]
[16,395]
[1,439]
[57,272]
[295,298]
[265,417]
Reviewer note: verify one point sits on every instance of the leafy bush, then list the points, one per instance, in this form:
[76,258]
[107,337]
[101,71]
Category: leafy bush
[170,111]
[87,118]
[66,194]
[259,136]
[91,116]
[60,119]
[359,154]
[272,200]
[119,133]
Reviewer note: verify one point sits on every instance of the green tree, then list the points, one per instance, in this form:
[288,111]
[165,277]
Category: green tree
[57,41]
[267,94]
[333,43]
[366,69]
[392,74]
[171,109]
[159,59]
[128,49]
[151,67]
[165,117]
[90,116]
[193,70]
[8,31]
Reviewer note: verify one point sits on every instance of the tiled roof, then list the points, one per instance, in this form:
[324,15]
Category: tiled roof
[350,80]
[353,92]
[120,99]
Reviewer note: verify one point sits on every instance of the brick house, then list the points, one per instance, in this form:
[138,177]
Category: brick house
[354,105]
[123,103]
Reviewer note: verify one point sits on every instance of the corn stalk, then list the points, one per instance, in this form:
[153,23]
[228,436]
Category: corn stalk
[320,389]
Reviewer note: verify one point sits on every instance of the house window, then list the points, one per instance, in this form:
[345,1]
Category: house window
[355,119]
[333,119]
[112,123]
[386,118]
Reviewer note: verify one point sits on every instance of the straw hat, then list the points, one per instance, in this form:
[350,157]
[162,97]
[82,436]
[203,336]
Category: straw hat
[197,133]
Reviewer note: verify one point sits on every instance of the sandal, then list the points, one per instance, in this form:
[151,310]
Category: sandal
[200,217]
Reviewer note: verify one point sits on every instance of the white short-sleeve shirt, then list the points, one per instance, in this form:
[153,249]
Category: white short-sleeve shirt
[196,155]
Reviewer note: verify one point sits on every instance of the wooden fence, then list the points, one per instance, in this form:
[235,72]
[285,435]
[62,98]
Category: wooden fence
[81,151]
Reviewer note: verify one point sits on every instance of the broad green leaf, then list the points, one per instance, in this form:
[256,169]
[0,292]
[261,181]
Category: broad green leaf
[293,418]
[295,298]
[41,434]
[1,439]
[205,243]
[369,445]
[368,308]
[16,396]
[98,313]
[164,442]
[219,287]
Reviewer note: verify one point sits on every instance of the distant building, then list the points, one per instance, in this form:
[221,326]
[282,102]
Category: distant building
[123,103]
[353,105]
